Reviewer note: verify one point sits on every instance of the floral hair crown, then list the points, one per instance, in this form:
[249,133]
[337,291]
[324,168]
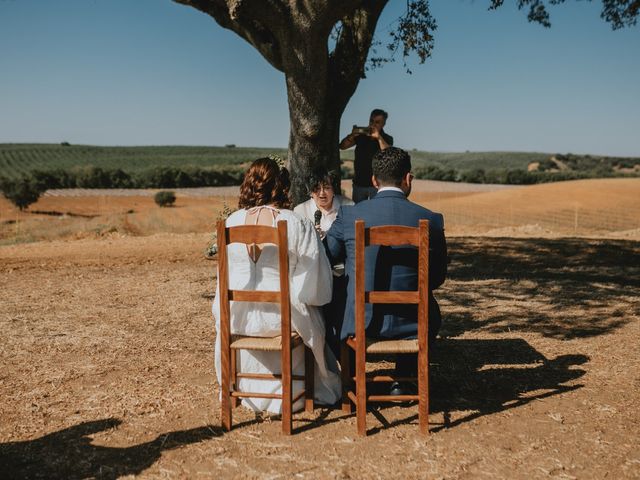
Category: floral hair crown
[278,159]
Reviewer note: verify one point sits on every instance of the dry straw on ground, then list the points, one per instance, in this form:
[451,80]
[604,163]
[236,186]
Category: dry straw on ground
[108,365]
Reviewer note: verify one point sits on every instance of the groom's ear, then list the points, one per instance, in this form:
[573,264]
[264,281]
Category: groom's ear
[408,178]
[374,180]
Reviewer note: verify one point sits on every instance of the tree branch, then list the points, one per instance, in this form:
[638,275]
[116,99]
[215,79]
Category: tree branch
[256,21]
[348,59]
[619,13]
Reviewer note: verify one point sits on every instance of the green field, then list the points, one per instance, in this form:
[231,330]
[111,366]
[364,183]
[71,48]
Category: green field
[16,159]
[470,160]
[473,160]
[89,166]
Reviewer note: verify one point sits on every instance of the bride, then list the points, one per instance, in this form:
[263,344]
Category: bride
[264,199]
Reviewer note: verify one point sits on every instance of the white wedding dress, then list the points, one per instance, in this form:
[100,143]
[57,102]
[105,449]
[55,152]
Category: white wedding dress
[311,283]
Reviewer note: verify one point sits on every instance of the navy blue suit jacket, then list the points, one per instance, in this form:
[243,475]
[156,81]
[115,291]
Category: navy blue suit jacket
[388,268]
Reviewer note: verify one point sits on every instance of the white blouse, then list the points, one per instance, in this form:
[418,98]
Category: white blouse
[308,209]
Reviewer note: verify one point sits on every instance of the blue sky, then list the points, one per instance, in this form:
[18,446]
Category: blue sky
[152,72]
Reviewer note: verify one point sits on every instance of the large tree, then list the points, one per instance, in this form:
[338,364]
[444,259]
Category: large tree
[322,47]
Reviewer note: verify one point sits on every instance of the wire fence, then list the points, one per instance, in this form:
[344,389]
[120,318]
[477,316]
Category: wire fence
[574,218]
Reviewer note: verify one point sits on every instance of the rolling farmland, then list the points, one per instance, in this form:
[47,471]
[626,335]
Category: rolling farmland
[67,163]
[16,159]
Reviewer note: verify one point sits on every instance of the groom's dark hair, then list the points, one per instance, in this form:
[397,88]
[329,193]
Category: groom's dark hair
[391,165]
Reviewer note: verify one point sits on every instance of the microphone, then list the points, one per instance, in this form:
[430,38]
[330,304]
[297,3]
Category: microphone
[317,217]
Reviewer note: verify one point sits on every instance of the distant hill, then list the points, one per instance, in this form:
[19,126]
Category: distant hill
[472,160]
[181,166]
[18,158]
[517,167]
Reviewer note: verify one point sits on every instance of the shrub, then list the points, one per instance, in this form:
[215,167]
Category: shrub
[159,177]
[473,176]
[119,179]
[434,172]
[21,192]
[546,165]
[165,198]
[520,177]
[346,172]
[498,175]
[59,178]
[183,179]
[92,177]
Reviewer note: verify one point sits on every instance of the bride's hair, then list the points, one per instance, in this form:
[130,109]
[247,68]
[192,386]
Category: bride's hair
[265,183]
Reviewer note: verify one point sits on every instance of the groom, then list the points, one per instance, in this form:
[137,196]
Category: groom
[392,178]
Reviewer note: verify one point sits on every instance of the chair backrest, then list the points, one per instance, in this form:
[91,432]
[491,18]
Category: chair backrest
[249,235]
[392,235]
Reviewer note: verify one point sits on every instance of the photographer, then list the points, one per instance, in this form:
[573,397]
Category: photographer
[368,141]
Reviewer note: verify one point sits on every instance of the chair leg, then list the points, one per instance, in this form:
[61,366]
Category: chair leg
[235,401]
[225,406]
[309,367]
[287,420]
[361,392]
[423,392]
[345,366]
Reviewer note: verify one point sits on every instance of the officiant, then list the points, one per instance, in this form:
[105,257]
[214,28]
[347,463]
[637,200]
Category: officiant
[324,203]
[322,209]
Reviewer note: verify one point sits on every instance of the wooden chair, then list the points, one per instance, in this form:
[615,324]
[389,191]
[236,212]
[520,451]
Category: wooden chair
[285,343]
[388,236]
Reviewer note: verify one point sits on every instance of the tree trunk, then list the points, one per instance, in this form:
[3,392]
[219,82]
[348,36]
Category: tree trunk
[313,113]
[319,86]
[293,37]
[313,137]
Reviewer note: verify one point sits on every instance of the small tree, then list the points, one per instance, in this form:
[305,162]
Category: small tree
[21,192]
[165,198]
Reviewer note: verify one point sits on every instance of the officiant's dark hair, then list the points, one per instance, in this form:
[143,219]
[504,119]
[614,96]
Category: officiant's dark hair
[321,176]
[391,165]
[266,182]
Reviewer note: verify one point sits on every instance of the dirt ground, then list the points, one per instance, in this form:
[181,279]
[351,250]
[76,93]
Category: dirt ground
[599,208]
[107,368]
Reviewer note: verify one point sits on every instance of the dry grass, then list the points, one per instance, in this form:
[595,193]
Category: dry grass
[93,217]
[587,208]
[107,359]
[606,208]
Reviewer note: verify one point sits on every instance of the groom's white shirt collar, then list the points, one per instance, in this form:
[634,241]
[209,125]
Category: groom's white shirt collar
[390,189]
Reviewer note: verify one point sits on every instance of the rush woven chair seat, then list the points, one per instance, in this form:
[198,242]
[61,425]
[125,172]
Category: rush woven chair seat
[285,342]
[375,345]
[264,344]
[391,235]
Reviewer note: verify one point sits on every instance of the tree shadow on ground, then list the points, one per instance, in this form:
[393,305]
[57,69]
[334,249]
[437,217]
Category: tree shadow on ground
[471,378]
[70,453]
[561,288]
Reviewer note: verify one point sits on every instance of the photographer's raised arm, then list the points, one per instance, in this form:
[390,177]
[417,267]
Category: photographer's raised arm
[383,143]
[348,141]
[377,135]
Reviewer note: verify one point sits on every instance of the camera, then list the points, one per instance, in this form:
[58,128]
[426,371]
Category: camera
[360,130]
